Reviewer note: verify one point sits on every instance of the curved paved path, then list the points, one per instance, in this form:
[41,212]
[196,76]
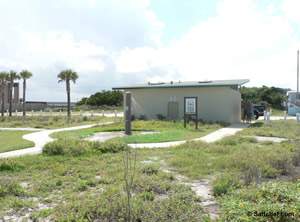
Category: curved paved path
[40,139]
[21,129]
[210,138]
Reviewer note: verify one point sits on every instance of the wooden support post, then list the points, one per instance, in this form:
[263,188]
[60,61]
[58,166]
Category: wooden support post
[127,113]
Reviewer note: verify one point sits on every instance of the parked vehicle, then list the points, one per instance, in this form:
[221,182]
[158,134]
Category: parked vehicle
[258,110]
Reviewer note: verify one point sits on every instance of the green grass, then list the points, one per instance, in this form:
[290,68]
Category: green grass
[51,122]
[168,131]
[247,176]
[12,140]
[90,187]
[287,129]
[277,112]
[248,203]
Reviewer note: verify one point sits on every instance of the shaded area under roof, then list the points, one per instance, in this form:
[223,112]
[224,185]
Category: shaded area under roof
[214,83]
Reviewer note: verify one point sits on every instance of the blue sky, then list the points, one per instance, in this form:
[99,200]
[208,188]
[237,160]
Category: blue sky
[180,16]
[119,42]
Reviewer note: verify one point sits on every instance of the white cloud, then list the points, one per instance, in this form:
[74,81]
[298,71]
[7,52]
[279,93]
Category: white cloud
[241,41]
[84,35]
[118,42]
[291,9]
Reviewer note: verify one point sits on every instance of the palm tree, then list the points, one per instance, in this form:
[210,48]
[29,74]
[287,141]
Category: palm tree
[68,76]
[12,76]
[25,75]
[3,81]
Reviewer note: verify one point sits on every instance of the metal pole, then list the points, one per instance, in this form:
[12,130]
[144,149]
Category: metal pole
[127,113]
[297,72]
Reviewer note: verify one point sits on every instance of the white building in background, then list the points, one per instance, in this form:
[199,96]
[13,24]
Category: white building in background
[218,100]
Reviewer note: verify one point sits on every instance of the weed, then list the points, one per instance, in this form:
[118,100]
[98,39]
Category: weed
[150,169]
[10,165]
[66,147]
[109,146]
[9,188]
[224,184]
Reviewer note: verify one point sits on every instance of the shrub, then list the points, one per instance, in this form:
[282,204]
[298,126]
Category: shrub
[10,165]
[223,184]
[111,206]
[109,146]
[82,185]
[66,147]
[148,196]
[282,162]
[150,170]
[267,197]
[8,188]
[251,173]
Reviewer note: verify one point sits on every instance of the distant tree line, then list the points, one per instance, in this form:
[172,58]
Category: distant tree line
[274,96]
[103,98]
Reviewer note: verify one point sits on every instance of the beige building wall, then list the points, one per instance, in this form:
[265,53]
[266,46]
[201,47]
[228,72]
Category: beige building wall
[214,103]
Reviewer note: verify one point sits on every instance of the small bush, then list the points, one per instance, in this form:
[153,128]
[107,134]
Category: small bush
[82,185]
[147,196]
[10,165]
[267,197]
[223,184]
[111,206]
[283,163]
[150,170]
[109,146]
[66,147]
[59,183]
[251,173]
[8,188]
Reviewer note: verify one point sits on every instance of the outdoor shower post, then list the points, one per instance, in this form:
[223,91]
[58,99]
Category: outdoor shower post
[127,113]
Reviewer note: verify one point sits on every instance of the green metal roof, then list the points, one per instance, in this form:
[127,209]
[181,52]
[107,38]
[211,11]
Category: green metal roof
[214,83]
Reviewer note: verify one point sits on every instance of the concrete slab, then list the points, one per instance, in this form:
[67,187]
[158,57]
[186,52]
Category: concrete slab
[270,139]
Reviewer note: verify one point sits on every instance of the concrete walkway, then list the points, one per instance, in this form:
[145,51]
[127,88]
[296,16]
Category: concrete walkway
[278,118]
[210,138]
[40,139]
[224,132]
[104,136]
[270,139]
[20,129]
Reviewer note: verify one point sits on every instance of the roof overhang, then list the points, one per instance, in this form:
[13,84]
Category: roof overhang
[215,83]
